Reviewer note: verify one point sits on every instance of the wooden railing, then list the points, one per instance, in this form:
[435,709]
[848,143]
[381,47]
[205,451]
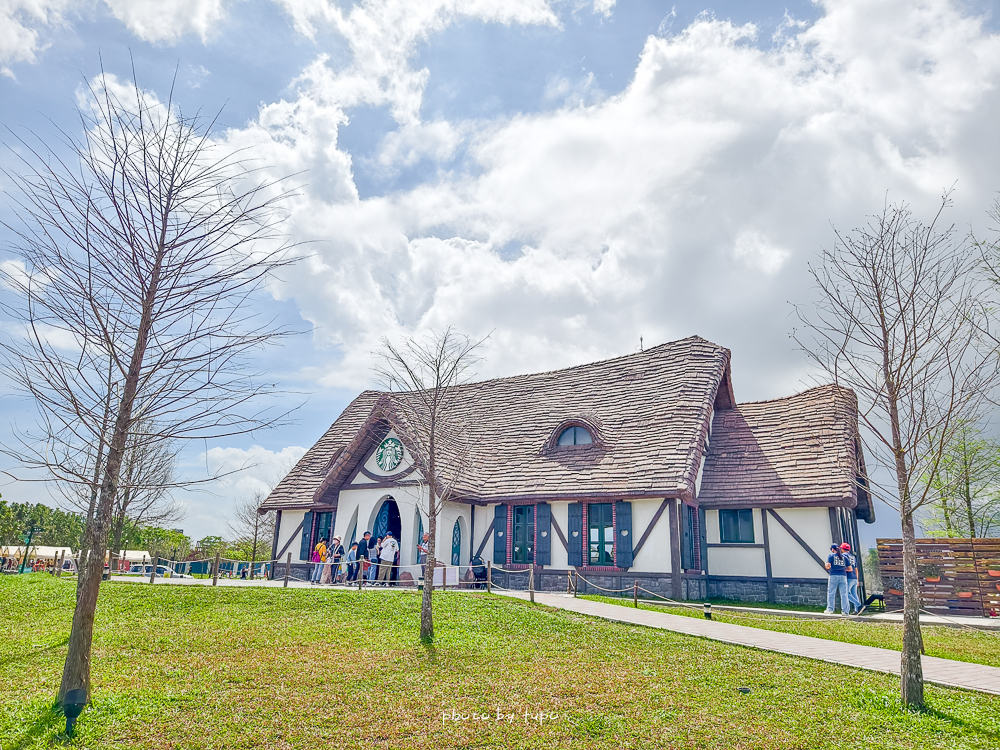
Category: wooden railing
[957,576]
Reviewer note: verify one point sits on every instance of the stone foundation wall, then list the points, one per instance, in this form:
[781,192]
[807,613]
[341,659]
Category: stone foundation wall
[800,592]
[737,590]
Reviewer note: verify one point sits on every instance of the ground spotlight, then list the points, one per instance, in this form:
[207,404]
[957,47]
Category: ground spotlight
[72,706]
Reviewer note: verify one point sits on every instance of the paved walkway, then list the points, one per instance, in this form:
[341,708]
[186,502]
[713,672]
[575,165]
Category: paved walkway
[947,672]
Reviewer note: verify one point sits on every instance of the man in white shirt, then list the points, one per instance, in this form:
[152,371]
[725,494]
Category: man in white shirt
[387,558]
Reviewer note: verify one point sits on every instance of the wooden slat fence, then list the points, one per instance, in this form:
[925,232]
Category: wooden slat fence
[967,573]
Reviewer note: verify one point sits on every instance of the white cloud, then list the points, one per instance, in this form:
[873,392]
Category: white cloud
[688,203]
[255,469]
[604,7]
[21,22]
[754,250]
[168,20]
[382,36]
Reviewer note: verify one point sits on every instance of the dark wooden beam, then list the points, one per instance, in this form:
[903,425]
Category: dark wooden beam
[486,538]
[288,543]
[835,526]
[797,538]
[559,533]
[675,551]
[649,528]
[767,555]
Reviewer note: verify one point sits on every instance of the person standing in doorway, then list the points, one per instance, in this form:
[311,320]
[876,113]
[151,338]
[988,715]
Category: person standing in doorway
[837,564]
[853,600]
[387,558]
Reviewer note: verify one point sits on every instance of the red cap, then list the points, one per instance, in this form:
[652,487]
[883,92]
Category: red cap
[845,546]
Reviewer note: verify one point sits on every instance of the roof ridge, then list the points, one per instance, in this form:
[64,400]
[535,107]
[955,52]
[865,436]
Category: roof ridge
[825,386]
[584,365]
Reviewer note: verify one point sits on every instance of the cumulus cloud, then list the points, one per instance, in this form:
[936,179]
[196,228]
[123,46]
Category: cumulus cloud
[24,24]
[250,470]
[21,26]
[687,203]
[159,21]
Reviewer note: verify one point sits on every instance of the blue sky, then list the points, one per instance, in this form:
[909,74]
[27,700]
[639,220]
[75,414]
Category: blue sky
[569,175]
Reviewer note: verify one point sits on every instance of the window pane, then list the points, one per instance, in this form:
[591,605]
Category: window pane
[567,437]
[726,527]
[582,436]
[736,526]
[601,534]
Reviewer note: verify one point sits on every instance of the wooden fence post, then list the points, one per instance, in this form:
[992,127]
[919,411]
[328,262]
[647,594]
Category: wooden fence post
[635,594]
[288,569]
[215,569]
[152,574]
[62,559]
[531,583]
[489,576]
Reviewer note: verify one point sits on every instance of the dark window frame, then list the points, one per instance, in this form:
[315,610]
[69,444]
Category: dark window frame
[741,522]
[606,520]
[528,553]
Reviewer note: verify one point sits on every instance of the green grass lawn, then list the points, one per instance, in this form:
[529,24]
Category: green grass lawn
[197,667]
[962,644]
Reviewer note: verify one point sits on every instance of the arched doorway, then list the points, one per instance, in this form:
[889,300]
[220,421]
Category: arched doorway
[388,519]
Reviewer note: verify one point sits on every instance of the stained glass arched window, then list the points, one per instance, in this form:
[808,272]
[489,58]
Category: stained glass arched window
[456,544]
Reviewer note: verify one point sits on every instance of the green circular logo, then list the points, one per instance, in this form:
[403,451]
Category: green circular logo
[389,454]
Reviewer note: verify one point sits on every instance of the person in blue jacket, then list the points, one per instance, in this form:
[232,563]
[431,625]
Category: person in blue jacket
[837,564]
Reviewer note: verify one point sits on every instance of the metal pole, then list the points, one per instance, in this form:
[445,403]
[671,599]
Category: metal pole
[635,594]
[215,569]
[489,576]
[531,583]
[361,571]
[444,577]
[288,569]
[576,582]
[27,548]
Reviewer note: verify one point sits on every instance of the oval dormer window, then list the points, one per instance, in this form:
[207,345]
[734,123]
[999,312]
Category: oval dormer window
[575,436]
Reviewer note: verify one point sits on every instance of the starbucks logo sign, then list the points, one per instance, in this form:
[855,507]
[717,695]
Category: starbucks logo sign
[389,454]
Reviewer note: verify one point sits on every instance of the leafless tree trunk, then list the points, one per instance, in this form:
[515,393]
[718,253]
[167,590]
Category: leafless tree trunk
[900,321]
[423,376]
[145,251]
[252,529]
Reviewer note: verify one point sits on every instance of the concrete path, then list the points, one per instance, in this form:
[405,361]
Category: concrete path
[947,672]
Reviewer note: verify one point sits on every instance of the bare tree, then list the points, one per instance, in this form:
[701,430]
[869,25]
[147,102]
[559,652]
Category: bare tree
[145,250]
[253,530]
[427,376]
[899,321]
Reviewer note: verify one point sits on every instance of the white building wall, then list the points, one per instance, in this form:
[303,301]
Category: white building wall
[559,555]
[654,557]
[736,560]
[788,559]
[290,520]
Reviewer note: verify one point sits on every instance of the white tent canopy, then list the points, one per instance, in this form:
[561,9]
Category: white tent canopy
[40,551]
